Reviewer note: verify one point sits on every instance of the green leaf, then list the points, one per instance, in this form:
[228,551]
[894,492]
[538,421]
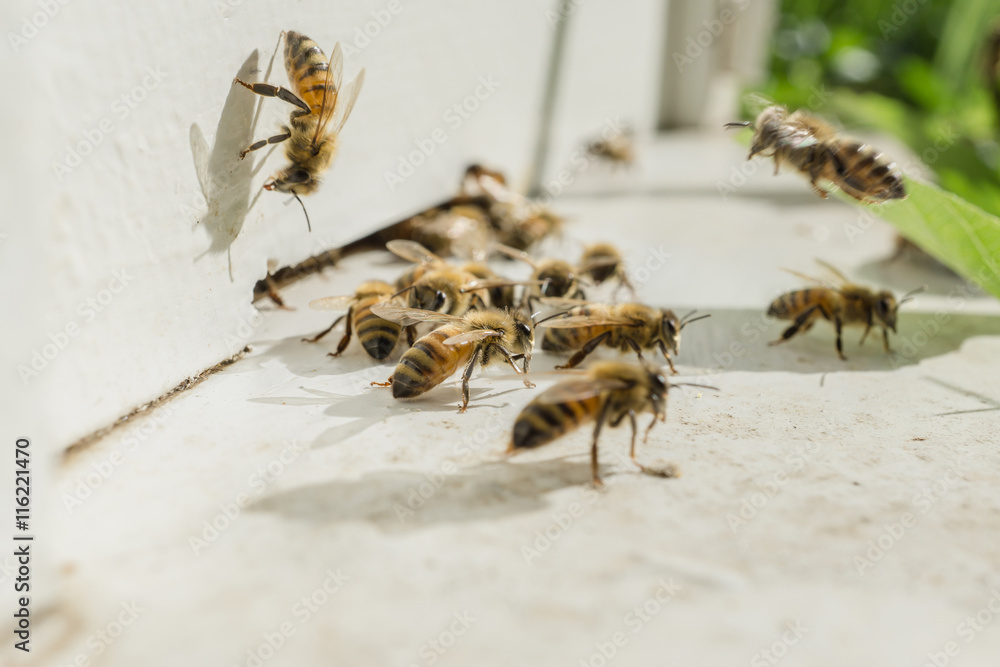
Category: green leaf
[960,235]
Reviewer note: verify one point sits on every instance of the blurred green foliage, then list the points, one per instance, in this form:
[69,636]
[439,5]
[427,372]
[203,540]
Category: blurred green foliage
[924,71]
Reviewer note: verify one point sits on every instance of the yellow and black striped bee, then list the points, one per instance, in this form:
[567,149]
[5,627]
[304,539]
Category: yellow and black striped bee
[609,392]
[554,278]
[434,284]
[378,337]
[601,262]
[813,147]
[626,326]
[480,337]
[845,304]
[324,105]
[619,149]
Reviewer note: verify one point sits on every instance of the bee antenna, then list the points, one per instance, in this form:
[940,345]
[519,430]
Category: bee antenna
[550,317]
[685,321]
[694,384]
[909,295]
[402,291]
[308,224]
[739,123]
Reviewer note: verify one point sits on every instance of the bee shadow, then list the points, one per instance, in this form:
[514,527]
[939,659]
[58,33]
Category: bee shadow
[224,178]
[403,500]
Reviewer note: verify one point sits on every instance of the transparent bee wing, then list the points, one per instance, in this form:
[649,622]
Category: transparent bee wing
[840,276]
[412,251]
[407,316]
[346,100]
[332,302]
[472,337]
[810,279]
[578,390]
[563,302]
[331,92]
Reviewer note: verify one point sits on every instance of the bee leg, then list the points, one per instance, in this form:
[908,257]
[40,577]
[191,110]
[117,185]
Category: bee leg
[601,417]
[387,383]
[638,350]
[342,345]
[324,331]
[885,341]
[276,139]
[267,90]
[666,355]
[864,335]
[667,471]
[585,350]
[272,293]
[411,335]
[840,341]
[510,360]
[465,379]
[804,319]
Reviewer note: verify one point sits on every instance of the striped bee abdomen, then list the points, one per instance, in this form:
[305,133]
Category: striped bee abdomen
[540,423]
[428,363]
[788,306]
[377,336]
[307,67]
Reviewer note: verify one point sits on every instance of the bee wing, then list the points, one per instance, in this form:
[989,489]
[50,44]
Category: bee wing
[407,316]
[497,282]
[563,302]
[585,321]
[412,252]
[346,100]
[514,253]
[332,302]
[840,276]
[578,390]
[472,336]
[334,77]
[810,279]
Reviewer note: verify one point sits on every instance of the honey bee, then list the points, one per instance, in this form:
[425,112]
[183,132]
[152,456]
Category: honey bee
[378,336]
[609,392]
[462,231]
[624,326]
[813,148]
[554,278]
[323,107]
[434,284]
[519,222]
[480,337]
[601,262]
[844,305]
[619,149]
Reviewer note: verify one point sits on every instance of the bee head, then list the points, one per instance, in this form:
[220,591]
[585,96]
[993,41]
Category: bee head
[293,180]
[428,298]
[524,333]
[670,328]
[559,280]
[886,308]
[657,391]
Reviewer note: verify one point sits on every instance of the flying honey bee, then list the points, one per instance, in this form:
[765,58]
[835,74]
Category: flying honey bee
[624,326]
[519,222]
[378,336]
[845,304]
[619,149]
[601,262]
[609,392]
[813,148]
[554,278]
[434,284]
[323,107]
[480,337]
